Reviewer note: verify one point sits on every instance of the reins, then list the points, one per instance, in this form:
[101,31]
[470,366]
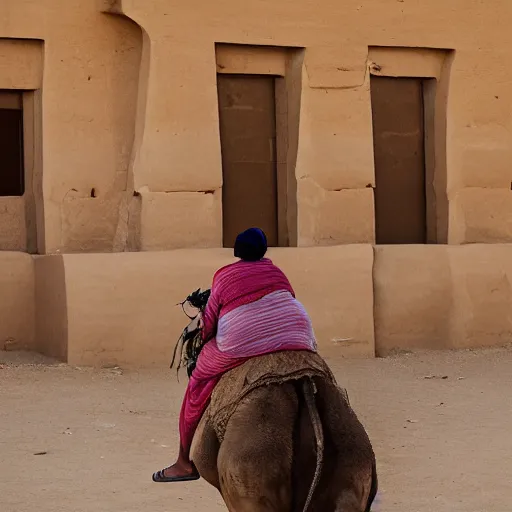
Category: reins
[190,343]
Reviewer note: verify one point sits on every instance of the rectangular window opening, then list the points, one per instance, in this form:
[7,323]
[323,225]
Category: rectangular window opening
[401,112]
[12,174]
[247,115]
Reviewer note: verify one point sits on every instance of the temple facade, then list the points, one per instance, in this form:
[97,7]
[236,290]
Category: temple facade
[370,140]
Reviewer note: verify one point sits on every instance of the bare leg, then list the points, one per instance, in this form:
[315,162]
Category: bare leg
[197,395]
[204,452]
[181,471]
[182,467]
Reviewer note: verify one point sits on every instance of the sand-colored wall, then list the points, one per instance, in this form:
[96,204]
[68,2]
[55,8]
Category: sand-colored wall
[335,168]
[51,315]
[17,301]
[91,68]
[21,69]
[108,309]
[129,142]
[13,233]
[442,297]
[122,307]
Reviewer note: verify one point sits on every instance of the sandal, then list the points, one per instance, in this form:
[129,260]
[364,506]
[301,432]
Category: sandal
[160,477]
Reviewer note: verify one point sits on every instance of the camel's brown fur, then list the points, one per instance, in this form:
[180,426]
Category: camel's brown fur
[266,457]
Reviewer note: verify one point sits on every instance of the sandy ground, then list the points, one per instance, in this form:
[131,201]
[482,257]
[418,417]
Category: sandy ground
[82,440]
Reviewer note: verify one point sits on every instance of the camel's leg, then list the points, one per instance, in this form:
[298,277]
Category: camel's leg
[348,481]
[349,501]
[255,458]
[205,450]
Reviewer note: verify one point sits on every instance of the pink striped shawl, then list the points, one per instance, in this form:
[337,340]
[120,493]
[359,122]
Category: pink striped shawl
[277,321]
[240,284]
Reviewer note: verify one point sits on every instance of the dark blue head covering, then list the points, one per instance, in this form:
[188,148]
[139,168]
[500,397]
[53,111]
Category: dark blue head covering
[251,245]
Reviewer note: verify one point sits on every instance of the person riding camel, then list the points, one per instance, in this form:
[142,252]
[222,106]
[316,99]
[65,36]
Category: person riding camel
[252,311]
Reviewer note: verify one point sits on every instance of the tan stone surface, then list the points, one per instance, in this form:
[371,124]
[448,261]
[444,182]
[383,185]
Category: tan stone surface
[327,218]
[13,233]
[245,60]
[335,143]
[178,220]
[399,62]
[488,165]
[130,101]
[481,215]
[99,309]
[413,297]
[128,114]
[482,295]
[51,319]
[335,285]
[90,223]
[17,301]
[180,147]
[478,142]
[442,445]
[336,67]
[91,67]
[335,147]
[21,64]
[121,308]
[442,297]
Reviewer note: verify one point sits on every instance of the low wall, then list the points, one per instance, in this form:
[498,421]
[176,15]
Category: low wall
[51,306]
[442,297]
[17,302]
[120,309]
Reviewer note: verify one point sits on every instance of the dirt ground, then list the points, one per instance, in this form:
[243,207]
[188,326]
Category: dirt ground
[82,440]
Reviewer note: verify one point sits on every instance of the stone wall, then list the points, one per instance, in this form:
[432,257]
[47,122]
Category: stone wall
[121,308]
[107,309]
[128,123]
[89,71]
[123,154]
[17,301]
[442,297]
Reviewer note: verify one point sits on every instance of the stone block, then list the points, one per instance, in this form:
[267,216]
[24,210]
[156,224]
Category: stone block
[336,141]
[442,297]
[180,219]
[89,224]
[121,308]
[330,67]
[481,215]
[333,218]
[481,315]
[413,300]
[486,166]
[51,319]
[13,231]
[17,301]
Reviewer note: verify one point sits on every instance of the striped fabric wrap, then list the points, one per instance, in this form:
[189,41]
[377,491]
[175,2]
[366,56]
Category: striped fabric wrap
[274,322]
[239,284]
[252,310]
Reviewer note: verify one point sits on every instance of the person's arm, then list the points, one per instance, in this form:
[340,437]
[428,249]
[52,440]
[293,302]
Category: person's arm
[210,316]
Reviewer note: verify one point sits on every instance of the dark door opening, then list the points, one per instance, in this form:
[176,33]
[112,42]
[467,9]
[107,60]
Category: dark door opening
[399,149]
[247,116]
[12,175]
